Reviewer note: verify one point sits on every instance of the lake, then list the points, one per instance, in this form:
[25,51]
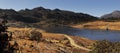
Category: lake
[88,33]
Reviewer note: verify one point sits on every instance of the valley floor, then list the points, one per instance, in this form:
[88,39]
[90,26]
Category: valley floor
[58,43]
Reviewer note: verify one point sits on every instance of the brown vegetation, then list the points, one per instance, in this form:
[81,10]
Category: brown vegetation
[50,43]
[106,47]
[99,25]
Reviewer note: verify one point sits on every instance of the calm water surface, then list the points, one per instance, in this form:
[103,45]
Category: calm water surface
[89,33]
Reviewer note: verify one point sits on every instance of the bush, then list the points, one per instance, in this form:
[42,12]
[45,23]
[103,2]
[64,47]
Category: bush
[35,35]
[106,47]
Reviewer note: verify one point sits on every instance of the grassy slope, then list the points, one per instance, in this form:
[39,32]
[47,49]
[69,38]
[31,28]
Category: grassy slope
[52,43]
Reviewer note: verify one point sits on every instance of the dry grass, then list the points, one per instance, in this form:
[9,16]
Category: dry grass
[52,43]
[105,46]
[100,25]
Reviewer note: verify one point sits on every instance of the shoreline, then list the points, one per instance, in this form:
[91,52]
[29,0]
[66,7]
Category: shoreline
[99,25]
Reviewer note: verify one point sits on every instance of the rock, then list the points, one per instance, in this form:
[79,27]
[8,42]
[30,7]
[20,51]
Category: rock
[65,41]
[54,41]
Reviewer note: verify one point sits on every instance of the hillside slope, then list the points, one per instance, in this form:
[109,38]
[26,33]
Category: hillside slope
[115,15]
[51,42]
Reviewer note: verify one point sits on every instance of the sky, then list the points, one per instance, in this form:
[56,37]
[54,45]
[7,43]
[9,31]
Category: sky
[92,7]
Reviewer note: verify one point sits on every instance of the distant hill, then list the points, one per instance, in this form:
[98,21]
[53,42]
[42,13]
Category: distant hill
[41,14]
[15,16]
[115,15]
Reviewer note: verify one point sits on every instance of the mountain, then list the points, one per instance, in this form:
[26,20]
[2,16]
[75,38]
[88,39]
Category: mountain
[15,16]
[40,14]
[115,15]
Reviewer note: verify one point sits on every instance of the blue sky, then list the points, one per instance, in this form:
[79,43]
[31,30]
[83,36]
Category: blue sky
[92,7]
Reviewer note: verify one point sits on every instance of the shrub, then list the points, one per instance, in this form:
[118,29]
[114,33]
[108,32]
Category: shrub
[106,47]
[35,35]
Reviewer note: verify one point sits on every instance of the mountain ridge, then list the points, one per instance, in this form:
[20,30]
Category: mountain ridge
[39,14]
[113,15]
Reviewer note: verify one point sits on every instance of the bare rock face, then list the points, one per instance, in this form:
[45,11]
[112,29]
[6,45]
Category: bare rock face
[114,15]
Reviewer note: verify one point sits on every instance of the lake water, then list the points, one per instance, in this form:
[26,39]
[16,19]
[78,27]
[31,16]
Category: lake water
[99,34]
[88,33]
